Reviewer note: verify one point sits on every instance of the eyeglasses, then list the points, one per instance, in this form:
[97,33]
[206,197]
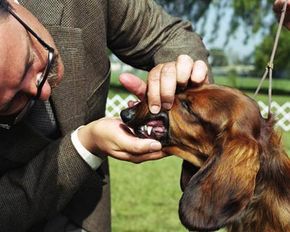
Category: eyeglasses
[10,121]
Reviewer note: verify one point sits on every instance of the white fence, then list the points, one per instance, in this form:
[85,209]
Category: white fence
[116,104]
[282,112]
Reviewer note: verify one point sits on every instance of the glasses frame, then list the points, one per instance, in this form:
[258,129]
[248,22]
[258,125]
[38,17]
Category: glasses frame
[40,82]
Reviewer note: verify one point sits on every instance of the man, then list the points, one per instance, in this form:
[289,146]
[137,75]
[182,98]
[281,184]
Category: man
[54,177]
[278,6]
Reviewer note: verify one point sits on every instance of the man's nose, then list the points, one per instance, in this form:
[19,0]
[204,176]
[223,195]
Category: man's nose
[30,86]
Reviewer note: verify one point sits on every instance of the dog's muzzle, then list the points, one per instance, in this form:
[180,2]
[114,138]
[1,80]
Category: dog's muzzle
[145,124]
[128,115]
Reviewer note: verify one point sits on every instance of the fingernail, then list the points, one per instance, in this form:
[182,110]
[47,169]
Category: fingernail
[166,106]
[155,109]
[200,71]
[155,146]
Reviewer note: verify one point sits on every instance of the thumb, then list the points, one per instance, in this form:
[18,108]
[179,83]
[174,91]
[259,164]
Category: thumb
[142,146]
[133,84]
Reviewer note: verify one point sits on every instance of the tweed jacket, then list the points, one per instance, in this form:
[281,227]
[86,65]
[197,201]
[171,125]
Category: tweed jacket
[39,176]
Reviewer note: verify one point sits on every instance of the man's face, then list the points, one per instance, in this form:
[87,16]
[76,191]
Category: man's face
[22,60]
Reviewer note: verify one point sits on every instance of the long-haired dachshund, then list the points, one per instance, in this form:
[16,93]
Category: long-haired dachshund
[237,174]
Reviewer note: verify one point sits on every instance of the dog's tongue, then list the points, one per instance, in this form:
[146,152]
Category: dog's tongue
[155,123]
[158,128]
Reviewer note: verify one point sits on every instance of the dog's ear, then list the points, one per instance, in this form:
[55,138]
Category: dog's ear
[221,189]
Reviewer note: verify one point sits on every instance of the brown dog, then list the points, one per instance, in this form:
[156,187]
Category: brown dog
[238,176]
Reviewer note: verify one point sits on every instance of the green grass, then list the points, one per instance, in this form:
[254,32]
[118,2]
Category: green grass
[252,83]
[286,141]
[145,196]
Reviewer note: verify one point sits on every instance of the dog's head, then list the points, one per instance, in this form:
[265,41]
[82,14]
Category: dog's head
[216,129]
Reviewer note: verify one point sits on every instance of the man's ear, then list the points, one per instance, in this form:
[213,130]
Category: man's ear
[221,190]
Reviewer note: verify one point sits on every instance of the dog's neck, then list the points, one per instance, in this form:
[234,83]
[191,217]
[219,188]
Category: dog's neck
[269,209]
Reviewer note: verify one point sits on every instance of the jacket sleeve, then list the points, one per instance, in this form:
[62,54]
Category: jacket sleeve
[142,34]
[32,192]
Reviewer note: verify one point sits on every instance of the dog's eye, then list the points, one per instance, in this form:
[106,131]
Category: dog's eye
[186,105]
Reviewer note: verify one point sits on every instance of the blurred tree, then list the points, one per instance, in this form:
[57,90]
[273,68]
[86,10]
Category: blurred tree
[263,51]
[218,57]
[252,15]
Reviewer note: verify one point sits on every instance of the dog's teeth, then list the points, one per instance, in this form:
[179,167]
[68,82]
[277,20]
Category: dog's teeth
[145,128]
[142,128]
[149,130]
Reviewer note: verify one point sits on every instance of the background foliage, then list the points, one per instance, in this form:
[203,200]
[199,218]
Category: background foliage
[281,63]
[255,17]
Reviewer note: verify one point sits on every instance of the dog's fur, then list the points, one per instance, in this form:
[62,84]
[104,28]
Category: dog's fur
[239,175]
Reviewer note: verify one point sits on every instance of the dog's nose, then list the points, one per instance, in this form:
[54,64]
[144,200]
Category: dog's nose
[128,114]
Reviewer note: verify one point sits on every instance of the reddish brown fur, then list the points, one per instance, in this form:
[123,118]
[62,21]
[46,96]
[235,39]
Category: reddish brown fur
[241,175]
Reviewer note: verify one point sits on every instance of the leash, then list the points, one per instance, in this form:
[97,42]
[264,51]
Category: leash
[270,65]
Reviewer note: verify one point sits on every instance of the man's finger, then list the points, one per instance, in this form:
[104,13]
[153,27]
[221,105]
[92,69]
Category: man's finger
[184,66]
[140,146]
[153,93]
[199,72]
[278,5]
[168,84]
[133,84]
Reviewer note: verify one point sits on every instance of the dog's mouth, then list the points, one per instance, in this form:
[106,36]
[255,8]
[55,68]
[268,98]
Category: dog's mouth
[153,126]
[154,129]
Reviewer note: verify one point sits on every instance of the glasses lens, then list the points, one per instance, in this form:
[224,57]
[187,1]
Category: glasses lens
[43,78]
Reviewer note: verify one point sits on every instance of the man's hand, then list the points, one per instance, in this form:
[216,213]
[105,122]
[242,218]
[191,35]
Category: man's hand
[109,136]
[164,79]
[277,7]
